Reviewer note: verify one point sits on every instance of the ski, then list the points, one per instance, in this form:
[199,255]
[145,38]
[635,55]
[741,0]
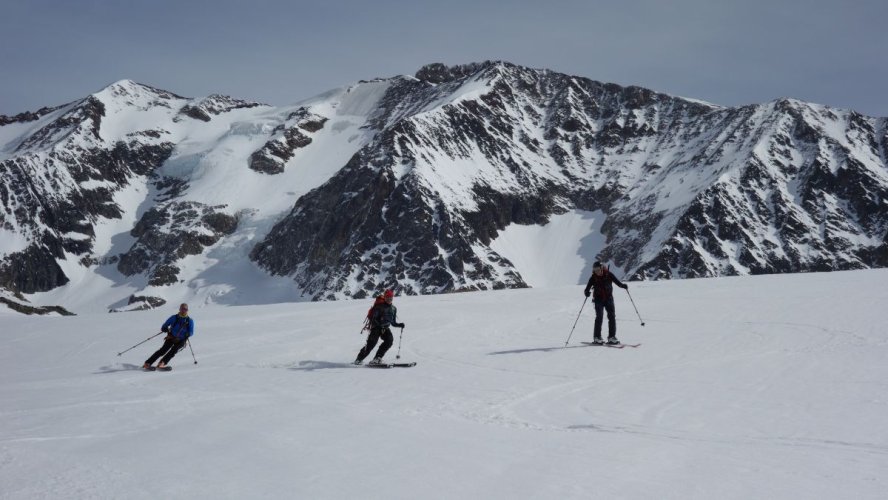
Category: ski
[165,369]
[617,346]
[149,369]
[392,365]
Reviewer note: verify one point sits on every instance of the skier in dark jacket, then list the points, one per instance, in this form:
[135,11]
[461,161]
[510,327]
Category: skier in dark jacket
[382,316]
[602,282]
[178,328]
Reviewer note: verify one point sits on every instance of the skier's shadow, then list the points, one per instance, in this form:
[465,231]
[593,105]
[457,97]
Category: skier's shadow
[123,367]
[310,365]
[538,349]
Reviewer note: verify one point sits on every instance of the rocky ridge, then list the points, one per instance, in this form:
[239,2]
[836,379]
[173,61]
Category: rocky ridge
[435,167]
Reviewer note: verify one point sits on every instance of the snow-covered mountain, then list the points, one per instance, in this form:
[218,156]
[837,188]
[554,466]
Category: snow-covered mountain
[479,176]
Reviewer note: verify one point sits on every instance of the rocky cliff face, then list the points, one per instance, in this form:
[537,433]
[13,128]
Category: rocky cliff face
[689,189]
[66,176]
[286,139]
[406,182]
[59,181]
[170,232]
[216,104]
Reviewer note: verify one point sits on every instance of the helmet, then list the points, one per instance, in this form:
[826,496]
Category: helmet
[388,294]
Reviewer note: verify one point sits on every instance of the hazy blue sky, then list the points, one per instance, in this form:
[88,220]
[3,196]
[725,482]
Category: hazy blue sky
[279,52]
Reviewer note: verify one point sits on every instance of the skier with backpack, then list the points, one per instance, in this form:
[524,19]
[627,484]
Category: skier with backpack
[179,327]
[602,283]
[380,318]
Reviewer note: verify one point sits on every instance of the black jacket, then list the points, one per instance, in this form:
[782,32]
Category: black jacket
[603,285]
[383,316]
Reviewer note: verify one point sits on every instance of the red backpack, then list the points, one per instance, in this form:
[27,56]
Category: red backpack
[379,300]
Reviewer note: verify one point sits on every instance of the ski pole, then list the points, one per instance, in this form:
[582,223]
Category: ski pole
[636,309]
[192,350]
[575,322]
[400,336]
[140,343]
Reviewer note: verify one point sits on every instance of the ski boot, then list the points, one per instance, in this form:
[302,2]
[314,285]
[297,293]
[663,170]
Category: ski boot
[597,341]
[375,361]
[612,341]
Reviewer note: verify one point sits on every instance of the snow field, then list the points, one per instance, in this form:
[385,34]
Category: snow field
[555,254]
[752,387]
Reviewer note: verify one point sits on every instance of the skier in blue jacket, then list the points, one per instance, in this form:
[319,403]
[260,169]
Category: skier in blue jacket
[178,328]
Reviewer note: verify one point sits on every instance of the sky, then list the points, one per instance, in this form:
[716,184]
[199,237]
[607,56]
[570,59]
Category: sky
[280,52]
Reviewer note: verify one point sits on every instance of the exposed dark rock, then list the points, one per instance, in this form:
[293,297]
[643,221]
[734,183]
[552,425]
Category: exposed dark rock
[164,274]
[215,104]
[272,157]
[149,302]
[34,269]
[169,188]
[39,310]
[195,112]
[28,116]
[440,73]
[88,114]
[169,232]
[70,218]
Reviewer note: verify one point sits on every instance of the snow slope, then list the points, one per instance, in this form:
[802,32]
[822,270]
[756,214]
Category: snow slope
[748,387]
[209,157]
[556,253]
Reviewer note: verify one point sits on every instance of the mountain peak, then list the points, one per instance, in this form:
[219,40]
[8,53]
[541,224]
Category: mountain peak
[125,83]
[440,73]
[466,158]
[132,91]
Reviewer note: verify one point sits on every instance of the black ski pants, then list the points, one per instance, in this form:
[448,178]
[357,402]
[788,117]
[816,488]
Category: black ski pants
[600,307]
[375,333]
[170,347]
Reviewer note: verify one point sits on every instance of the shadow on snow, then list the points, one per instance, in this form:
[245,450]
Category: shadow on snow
[538,349]
[125,367]
[311,365]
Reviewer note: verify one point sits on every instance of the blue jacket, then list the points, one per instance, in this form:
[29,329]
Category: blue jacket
[180,328]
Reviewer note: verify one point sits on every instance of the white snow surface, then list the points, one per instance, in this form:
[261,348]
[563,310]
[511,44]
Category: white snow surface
[747,387]
[556,254]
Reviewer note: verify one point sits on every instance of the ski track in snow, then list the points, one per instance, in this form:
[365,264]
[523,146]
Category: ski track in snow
[753,387]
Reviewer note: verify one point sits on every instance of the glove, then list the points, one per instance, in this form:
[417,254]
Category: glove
[625,286]
[399,325]
[586,293]
[165,329]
